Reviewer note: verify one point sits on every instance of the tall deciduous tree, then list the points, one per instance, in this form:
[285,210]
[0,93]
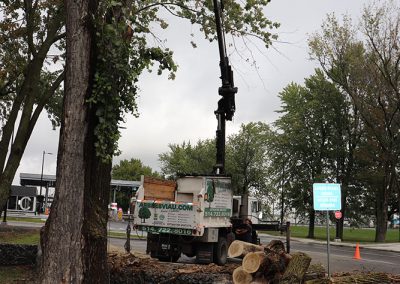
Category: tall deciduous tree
[104,59]
[188,159]
[367,68]
[30,39]
[247,160]
[132,169]
[309,144]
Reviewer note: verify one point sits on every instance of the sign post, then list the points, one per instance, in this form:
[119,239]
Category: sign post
[327,196]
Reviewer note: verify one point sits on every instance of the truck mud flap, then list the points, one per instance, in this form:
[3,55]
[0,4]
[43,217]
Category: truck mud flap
[205,253]
[163,247]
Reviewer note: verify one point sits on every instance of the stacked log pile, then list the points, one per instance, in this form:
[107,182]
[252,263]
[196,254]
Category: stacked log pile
[268,264]
[271,264]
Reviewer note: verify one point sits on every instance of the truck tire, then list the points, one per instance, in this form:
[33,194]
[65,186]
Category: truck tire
[221,251]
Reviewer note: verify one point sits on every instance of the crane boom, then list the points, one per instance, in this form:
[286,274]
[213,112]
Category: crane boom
[226,105]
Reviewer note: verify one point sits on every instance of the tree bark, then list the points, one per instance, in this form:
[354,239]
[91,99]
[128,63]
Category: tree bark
[296,269]
[74,241]
[311,225]
[382,196]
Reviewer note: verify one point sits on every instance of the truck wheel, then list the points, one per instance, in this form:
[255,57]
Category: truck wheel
[221,251]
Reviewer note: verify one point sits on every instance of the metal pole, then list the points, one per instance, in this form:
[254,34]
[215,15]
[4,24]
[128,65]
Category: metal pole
[288,237]
[282,194]
[46,195]
[127,245]
[327,241]
[41,175]
[5,213]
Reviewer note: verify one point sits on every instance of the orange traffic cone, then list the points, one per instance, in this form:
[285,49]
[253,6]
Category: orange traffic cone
[357,252]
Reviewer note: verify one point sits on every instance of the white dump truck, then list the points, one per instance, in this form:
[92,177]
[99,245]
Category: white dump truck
[191,215]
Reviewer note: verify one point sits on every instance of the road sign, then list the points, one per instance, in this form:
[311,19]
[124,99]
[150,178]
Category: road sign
[327,196]
[338,214]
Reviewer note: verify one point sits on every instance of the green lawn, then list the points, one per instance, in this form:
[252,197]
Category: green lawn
[31,236]
[349,235]
[20,236]
[17,274]
[26,219]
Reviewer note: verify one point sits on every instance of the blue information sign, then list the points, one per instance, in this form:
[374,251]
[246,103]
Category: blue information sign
[327,196]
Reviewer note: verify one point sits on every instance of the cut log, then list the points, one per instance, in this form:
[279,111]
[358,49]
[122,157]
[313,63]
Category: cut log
[277,246]
[364,278]
[252,261]
[240,276]
[296,269]
[240,248]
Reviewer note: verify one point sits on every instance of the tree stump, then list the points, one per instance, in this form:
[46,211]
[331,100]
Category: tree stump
[240,248]
[296,269]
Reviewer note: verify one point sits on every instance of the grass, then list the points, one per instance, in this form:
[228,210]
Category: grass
[17,274]
[349,235]
[20,236]
[32,236]
[26,219]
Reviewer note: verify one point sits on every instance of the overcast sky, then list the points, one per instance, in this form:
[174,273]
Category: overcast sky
[183,109]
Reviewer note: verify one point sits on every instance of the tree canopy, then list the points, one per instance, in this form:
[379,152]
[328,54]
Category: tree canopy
[364,63]
[31,41]
[132,169]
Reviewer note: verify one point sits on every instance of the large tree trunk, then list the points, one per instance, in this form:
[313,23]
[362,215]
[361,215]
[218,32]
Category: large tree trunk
[340,222]
[311,225]
[382,201]
[74,242]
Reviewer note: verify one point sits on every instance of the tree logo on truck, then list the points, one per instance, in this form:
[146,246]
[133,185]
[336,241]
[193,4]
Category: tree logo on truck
[144,213]
[209,196]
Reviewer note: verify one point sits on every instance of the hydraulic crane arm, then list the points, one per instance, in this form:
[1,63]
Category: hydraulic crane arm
[226,105]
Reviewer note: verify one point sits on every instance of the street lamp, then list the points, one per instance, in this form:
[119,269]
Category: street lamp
[41,178]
